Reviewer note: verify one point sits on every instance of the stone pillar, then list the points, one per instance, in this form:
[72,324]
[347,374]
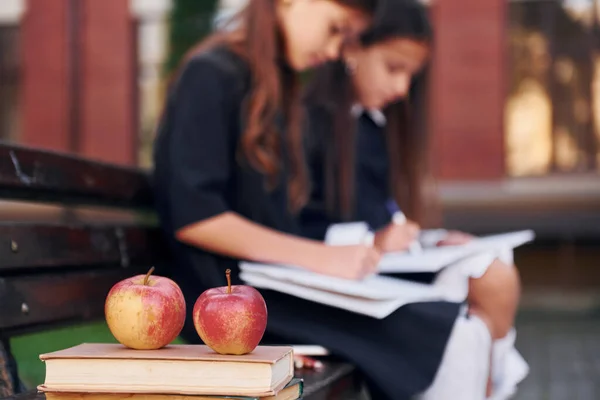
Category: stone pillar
[11,11]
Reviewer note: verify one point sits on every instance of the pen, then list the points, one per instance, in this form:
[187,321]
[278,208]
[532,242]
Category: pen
[398,218]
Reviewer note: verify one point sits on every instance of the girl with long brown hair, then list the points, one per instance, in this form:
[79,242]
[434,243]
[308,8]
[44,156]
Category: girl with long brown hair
[230,177]
[367,148]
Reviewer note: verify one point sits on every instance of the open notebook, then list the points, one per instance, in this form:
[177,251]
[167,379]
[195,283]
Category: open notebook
[433,259]
[378,296]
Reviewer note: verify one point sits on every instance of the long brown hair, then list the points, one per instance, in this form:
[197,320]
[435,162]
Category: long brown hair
[408,148]
[331,93]
[275,88]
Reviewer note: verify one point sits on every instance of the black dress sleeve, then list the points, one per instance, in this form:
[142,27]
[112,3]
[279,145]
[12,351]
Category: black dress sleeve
[203,108]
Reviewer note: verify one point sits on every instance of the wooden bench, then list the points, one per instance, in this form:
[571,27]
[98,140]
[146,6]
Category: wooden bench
[79,227]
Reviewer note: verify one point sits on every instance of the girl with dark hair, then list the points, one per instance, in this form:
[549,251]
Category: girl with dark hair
[367,147]
[229,177]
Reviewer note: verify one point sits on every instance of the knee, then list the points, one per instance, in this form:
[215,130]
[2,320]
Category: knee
[505,279]
[500,284]
[496,295]
[508,280]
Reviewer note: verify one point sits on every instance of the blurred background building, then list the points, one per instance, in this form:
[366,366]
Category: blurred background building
[515,101]
[514,79]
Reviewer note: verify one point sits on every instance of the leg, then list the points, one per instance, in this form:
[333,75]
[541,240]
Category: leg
[495,297]
[492,294]
[463,372]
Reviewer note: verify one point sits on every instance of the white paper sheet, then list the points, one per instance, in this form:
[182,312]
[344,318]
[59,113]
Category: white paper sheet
[433,259]
[374,308]
[373,288]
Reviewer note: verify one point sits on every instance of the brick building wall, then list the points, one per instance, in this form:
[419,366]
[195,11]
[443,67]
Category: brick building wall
[79,78]
[82,97]
[467,100]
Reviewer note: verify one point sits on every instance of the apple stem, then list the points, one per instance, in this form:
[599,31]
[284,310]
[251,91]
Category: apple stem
[228,275]
[148,276]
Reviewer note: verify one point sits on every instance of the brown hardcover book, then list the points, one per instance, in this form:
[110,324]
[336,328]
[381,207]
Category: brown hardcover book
[175,369]
[292,391]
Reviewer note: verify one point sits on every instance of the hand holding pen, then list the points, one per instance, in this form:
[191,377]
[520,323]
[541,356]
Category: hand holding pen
[399,219]
[399,235]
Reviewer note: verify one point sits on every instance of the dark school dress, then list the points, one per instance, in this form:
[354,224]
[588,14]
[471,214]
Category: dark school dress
[371,183]
[373,202]
[197,176]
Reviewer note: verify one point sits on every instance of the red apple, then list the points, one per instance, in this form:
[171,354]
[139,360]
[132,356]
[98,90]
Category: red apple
[145,312]
[231,319]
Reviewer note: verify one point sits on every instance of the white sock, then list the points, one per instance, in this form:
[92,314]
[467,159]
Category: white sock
[508,367]
[464,371]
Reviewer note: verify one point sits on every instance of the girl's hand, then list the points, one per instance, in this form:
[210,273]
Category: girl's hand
[395,237]
[455,238]
[348,262]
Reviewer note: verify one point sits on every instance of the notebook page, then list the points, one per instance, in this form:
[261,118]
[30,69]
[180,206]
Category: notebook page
[374,287]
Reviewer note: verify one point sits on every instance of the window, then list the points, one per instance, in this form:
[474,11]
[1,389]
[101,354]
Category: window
[164,32]
[553,104]
[151,49]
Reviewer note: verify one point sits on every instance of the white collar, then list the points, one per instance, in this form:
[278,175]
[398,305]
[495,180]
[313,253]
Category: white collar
[376,115]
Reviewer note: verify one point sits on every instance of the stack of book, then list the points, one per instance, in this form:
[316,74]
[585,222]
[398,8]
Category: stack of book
[94,371]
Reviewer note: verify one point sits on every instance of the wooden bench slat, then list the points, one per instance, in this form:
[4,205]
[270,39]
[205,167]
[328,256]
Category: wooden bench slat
[7,380]
[39,245]
[334,381]
[29,302]
[51,176]
[29,395]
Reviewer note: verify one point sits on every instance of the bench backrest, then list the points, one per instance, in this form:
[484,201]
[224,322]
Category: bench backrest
[56,267]
[58,264]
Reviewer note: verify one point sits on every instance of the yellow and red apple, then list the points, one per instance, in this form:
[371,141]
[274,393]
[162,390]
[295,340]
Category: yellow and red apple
[145,312]
[231,319]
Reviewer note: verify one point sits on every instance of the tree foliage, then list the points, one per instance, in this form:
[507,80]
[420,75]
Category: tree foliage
[190,21]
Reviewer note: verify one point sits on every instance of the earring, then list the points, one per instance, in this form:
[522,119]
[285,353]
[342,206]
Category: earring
[350,64]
